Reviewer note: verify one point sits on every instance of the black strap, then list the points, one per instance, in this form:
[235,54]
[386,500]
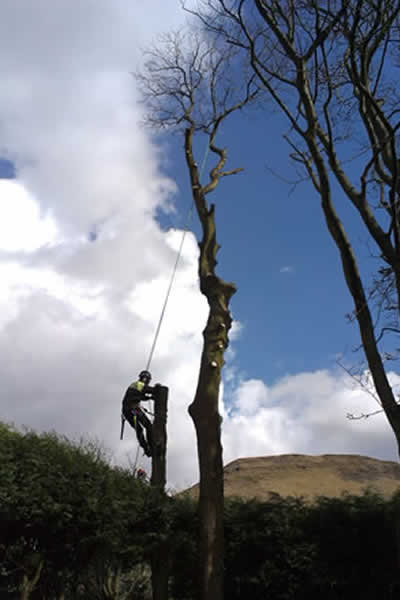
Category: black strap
[122,426]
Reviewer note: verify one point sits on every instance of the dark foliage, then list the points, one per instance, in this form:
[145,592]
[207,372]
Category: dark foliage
[287,549]
[267,551]
[63,505]
[88,529]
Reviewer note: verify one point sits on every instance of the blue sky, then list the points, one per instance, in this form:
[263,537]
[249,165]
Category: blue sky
[7,169]
[291,299]
[85,264]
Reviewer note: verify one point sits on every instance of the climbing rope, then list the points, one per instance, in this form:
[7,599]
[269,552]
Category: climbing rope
[175,268]
[168,293]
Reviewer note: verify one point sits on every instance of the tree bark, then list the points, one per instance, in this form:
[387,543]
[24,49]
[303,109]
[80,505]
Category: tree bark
[207,421]
[159,462]
[204,408]
[160,562]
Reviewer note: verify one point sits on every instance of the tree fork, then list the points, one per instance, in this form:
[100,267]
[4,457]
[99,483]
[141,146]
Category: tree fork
[28,584]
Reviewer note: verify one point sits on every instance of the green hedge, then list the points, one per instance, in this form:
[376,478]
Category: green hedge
[88,525]
[283,549]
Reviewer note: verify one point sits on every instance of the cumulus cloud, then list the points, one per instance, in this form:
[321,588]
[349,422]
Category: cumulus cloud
[305,413]
[21,226]
[84,263]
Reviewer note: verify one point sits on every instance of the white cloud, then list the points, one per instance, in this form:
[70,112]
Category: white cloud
[78,316]
[21,226]
[305,413]
[286,269]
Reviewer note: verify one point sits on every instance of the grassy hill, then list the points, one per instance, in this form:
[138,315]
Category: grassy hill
[308,476]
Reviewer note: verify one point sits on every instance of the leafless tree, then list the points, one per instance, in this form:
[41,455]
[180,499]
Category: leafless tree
[332,68]
[189,85]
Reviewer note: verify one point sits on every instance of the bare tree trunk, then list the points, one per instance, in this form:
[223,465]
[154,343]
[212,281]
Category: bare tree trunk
[159,462]
[160,562]
[354,283]
[364,319]
[207,420]
[204,408]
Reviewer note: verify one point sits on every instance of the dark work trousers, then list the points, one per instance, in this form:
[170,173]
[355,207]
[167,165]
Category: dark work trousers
[140,422]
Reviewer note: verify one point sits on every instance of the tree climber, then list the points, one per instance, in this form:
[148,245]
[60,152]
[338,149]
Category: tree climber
[137,392]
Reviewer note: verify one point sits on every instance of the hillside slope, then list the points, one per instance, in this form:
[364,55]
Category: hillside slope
[308,476]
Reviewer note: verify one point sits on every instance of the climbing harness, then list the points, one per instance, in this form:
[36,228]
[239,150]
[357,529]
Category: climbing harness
[123,419]
[174,270]
[121,437]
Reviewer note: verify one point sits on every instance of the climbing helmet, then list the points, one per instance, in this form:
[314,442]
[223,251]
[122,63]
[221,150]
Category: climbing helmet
[145,376]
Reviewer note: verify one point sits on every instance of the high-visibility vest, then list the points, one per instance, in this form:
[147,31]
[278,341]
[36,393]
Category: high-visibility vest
[138,385]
